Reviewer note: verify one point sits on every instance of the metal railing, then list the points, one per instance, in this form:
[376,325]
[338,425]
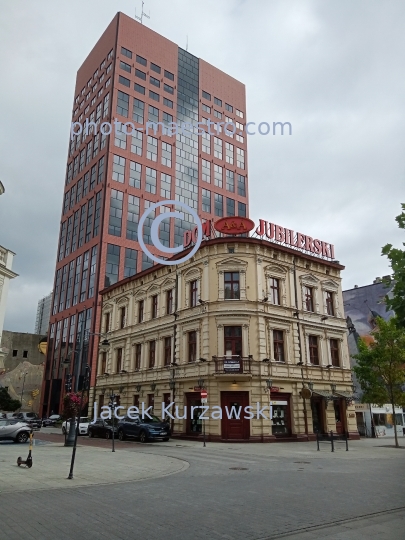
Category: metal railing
[332,439]
[232,364]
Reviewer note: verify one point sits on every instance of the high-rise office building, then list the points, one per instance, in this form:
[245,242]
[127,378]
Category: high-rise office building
[135,75]
[43,315]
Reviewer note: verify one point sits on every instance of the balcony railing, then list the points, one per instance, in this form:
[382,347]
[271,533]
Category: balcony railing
[232,364]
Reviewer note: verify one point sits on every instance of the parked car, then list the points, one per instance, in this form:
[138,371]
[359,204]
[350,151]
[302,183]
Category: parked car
[83,425]
[103,428]
[11,430]
[51,421]
[143,429]
[11,415]
[30,418]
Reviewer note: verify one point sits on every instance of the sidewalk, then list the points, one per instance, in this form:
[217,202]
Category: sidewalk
[93,466]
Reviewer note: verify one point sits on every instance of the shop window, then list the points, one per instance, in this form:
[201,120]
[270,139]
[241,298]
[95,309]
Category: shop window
[151,401]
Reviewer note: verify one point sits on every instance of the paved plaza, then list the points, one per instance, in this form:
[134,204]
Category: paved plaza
[180,490]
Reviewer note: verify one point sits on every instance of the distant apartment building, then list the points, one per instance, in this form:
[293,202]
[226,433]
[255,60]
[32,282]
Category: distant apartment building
[43,314]
[134,74]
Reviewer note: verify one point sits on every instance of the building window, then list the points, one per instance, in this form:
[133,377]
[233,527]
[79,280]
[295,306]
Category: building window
[122,317]
[155,67]
[122,104]
[115,222]
[313,350]
[239,113]
[141,60]
[139,88]
[278,344]
[229,153]
[230,207]
[228,107]
[165,185]
[330,310]
[230,180]
[205,108]
[169,301]
[25,353]
[233,340]
[154,306]
[138,111]
[309,298]
[112,266]
[126,52]
[169,75]
[153,114]
[151,150]
[140,310]
[275,291]
[241,185]
[218,101]
[131,258]
[218,175]
[118,172]
[137,143]
[168,88]
[166,156]
[206,143]
[125,66]
[334,352]
[217,114]
[206,171]
[168,103]
[218,148]
[240,158]
[154,81]
[119,360]
[192,346]
[151,176]
[206,95]
[218,204]
[154,96]
[193,293]
[132,217]
[152,353]
[168,351]
[140,74]
[241,209]
[124,81]
[231,285]
[138,355]
[151,401]
[206,201]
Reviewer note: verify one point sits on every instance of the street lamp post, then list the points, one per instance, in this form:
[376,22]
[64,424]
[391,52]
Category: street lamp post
[112,404]
[22,391]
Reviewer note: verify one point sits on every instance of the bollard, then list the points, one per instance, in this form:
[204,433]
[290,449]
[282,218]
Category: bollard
[331,440]
[347,444]
[317,440]
[28,461]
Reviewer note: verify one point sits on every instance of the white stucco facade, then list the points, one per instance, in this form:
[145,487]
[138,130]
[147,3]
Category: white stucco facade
[6,262]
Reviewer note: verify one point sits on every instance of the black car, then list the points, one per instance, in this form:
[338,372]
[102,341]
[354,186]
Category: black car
[102,428]
[143,429]
[30,418]
[51,421]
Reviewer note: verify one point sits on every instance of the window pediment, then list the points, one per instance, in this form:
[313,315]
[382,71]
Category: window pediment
[330,285]
[232,263]
[168,284]
[122,300]
[193,273]
[309,280]
[275,270]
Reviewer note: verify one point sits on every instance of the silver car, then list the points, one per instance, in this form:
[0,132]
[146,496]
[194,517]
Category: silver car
[10,430]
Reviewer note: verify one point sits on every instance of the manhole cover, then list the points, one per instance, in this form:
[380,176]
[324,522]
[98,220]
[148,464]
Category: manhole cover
[306,462]
[238,469]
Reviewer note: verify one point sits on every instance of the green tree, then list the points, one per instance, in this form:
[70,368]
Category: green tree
[6,403]
[397,262]
[380,367]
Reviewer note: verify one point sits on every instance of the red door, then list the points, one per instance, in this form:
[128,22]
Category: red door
[234,425]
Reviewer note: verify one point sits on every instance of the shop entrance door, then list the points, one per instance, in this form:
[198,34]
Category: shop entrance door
[194,424]
[339,416]
[234,425]
[318,414]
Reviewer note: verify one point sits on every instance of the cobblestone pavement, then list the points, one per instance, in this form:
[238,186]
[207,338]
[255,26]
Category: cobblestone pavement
[229,491]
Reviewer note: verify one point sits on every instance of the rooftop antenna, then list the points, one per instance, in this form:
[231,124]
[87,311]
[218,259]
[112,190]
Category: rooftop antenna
[143,14]
[187,43]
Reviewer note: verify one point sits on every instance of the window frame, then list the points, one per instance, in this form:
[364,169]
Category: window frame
[234,295]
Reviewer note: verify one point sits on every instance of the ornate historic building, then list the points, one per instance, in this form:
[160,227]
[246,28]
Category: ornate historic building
[249,321]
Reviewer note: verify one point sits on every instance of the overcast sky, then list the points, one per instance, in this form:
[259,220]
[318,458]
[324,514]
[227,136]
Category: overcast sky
[334,69]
